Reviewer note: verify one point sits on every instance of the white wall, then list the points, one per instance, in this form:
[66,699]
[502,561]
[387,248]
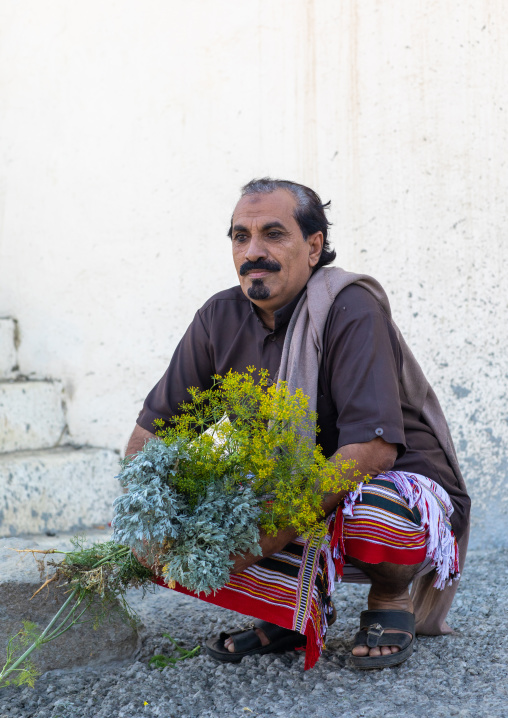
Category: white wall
[127,128]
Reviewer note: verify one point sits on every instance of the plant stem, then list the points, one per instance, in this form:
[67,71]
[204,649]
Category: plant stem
[48,635]
[59,631]
[39,640]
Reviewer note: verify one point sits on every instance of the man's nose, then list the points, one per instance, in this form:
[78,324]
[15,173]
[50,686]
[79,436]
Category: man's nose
[256,249]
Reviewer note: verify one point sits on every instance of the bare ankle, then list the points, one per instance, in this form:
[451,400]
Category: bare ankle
[381,599]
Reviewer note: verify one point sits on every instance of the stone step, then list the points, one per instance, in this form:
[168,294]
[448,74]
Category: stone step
[62,489]
[31,415]
[8,353]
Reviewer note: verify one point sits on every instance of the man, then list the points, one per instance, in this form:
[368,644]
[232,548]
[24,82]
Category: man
[396,527]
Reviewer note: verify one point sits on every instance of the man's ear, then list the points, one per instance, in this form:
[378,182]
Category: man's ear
[315,242]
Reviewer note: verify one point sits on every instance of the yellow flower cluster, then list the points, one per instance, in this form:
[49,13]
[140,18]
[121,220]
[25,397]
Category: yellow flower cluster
[244,432]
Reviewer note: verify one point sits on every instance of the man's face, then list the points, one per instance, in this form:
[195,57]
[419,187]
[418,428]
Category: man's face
[272,259]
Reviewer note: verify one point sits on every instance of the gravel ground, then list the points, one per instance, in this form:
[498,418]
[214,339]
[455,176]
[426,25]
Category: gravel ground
[461,675]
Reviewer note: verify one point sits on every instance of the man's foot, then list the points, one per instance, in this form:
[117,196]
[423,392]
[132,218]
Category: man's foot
[401,603]
[389,592]
[384,628]
[262,638]
[265,641]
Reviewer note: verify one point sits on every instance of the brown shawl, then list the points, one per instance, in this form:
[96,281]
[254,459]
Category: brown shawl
[301,358]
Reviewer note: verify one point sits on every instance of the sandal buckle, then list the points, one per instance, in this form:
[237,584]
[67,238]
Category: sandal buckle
[374,633]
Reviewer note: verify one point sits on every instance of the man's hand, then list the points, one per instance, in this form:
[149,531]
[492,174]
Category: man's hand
[269,546]
[138,439]
[371,458]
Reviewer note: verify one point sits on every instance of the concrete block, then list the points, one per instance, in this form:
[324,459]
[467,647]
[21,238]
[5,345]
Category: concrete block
[19,579]
[8,353]
[31,415]
[60,489]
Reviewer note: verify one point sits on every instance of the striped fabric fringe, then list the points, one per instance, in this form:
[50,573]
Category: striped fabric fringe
[435,509]
[337,550]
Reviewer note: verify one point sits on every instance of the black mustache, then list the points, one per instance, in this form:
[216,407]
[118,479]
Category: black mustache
[260,264]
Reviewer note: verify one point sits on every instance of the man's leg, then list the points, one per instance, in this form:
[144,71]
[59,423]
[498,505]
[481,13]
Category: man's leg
[295,612]
[385,539]
[389,590]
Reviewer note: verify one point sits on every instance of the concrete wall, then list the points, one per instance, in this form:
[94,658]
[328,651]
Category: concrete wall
[127,128]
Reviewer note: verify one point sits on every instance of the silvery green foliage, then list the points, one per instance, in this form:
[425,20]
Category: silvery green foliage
[151,510]
[222,523]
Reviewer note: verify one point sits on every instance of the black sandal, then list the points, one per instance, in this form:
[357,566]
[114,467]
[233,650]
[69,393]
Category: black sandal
[373,625]
[248,643]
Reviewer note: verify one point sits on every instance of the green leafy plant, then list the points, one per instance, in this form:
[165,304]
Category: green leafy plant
[103,571]
[247,431]
[161,661]
[17,655]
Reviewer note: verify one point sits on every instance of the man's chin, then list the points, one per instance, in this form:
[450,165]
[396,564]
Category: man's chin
[258,290]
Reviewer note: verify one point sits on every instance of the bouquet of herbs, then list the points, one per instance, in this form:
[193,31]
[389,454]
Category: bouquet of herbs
[237,459]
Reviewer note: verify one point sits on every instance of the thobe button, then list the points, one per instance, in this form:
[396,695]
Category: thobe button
[379,432]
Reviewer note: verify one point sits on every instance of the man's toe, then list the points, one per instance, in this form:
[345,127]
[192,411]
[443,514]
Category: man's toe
[374,652]
[360,651]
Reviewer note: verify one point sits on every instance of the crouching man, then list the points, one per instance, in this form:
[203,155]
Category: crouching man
[330,333]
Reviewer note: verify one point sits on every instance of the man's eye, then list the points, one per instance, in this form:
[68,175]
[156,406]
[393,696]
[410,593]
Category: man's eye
[240,237]
[274,234]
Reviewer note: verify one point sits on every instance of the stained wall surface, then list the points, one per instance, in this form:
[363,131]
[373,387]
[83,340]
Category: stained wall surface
[127,129]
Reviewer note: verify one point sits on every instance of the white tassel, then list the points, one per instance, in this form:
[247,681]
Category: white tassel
[435,507]
[350,499]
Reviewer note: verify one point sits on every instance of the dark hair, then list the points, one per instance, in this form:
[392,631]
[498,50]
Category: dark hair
[309,212]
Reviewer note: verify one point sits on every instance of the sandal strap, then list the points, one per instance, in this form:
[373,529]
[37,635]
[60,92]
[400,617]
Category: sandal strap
[274,632]
[243,640]
[246,639]
[373,637]
[386,618]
